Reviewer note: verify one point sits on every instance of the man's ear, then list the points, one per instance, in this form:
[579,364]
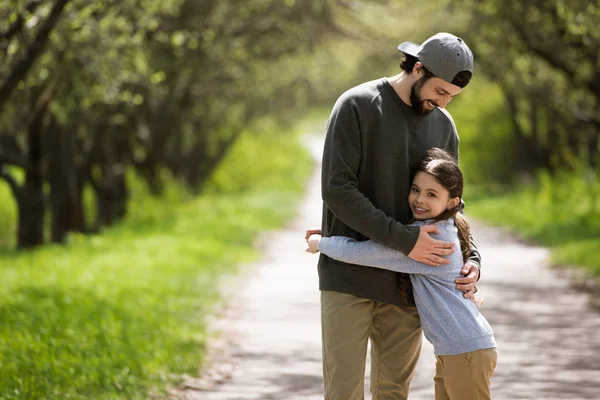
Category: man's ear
[453,203]
[417,68]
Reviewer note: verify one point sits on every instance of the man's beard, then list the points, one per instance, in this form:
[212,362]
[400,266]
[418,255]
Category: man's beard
[418,104]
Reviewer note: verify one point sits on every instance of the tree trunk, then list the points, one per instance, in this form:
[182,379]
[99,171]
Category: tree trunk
[149,171]
[111,199]
[30,230]
[31,214]
[111,188]
[66,189]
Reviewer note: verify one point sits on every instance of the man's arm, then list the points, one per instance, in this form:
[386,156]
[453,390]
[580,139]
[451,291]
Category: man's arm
[474,256]
[341,161]
[471,271]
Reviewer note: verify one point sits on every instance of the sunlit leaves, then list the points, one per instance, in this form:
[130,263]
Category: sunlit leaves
[544,54]
[158,77]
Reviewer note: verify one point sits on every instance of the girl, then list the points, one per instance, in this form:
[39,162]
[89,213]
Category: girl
[463,341]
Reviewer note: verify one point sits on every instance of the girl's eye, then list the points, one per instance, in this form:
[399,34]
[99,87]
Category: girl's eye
[431,195]
[415,190]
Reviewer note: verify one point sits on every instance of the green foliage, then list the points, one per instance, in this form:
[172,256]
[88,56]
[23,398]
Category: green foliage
[121,315]
[543,54]
[486,145]
[579,253]
[240,171]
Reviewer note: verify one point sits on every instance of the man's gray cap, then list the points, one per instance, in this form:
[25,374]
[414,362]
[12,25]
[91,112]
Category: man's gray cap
[443,54]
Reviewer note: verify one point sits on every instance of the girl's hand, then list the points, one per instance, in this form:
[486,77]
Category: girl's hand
[311,232]
[313,243]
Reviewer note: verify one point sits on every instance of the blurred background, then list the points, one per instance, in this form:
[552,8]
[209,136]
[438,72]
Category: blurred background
[145,143]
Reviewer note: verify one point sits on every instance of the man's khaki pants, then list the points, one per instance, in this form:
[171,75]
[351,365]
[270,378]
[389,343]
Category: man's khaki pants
[465,376]
[347,322]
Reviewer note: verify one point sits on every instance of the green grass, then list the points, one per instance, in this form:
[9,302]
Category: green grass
[561,212]
[121,315]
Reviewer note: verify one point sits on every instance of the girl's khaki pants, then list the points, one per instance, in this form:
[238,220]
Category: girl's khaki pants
[465,376]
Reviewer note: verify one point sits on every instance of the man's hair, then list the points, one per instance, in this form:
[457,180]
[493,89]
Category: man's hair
[408,62]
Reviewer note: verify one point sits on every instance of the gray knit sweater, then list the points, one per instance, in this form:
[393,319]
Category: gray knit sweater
[450,322]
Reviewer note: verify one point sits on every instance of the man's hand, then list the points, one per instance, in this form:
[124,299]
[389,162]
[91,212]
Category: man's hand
[429,250]
[311,232]
[467,284]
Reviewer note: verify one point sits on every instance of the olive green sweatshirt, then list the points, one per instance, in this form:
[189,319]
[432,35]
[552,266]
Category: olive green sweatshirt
[372,139]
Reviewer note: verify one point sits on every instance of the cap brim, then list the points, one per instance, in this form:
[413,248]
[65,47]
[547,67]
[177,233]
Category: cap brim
[409,48]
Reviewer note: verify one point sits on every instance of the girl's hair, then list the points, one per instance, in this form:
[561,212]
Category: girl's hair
[446,171]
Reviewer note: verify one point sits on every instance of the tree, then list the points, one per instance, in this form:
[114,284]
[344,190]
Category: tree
[93,89]
[544,56]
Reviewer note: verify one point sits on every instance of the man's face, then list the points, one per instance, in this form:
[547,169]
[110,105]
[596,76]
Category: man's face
[427,94]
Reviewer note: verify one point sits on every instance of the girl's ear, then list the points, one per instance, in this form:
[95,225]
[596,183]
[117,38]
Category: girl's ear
[453,203]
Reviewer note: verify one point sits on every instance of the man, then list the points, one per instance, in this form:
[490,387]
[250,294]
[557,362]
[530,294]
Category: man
[375,132]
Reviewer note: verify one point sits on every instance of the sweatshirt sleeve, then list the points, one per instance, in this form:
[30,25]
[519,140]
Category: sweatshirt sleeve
[475,256]
[339,182]
[371,254]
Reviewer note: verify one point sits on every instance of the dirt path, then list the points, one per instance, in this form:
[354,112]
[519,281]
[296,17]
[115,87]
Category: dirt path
[548,336]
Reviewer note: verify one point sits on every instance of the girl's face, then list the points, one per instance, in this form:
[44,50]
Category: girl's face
[428,199]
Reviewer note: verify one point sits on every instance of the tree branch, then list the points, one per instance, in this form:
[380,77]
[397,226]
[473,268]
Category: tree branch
[18,24]
[11,153]
[552,57]
[13,158]
[20,70]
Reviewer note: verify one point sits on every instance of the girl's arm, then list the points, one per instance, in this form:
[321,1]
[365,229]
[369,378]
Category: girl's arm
[372,254]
